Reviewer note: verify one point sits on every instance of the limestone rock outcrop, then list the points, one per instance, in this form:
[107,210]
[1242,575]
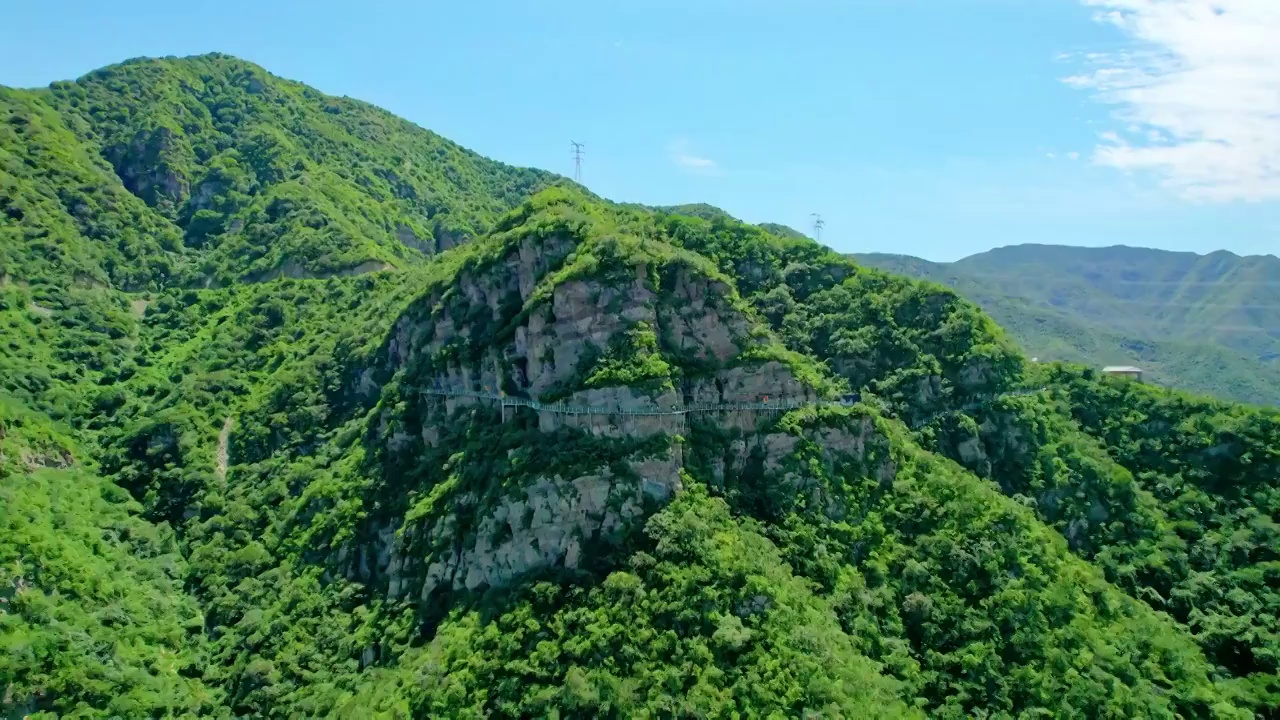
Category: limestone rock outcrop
[505,327]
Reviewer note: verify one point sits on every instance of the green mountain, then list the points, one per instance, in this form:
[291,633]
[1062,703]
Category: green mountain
[553,456]
[1204,323]
[245,176]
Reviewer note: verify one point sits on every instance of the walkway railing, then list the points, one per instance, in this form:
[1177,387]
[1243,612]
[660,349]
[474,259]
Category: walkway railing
[678,409]
[781,405]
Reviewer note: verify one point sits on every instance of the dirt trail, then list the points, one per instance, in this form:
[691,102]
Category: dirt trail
[223,438]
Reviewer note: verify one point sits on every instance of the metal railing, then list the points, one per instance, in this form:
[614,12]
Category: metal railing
[781,405]
[677,409]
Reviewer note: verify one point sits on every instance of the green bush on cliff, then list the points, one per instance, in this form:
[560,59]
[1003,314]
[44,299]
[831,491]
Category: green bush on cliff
[706,621]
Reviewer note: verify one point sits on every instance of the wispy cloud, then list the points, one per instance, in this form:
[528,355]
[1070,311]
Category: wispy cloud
[682,154]
[1198,94]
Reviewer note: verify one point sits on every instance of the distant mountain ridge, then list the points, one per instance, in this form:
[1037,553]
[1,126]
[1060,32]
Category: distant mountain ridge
[1206,323]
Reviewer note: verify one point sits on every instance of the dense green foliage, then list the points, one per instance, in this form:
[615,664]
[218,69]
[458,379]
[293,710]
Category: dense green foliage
[708,621]
[246,176]
[1214,560]
[93,617]
[1207,324]
[227,487]
[924,353]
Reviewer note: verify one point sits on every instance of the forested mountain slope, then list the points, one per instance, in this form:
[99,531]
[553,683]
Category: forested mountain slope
[227,493]
[1204,323]
[246,175]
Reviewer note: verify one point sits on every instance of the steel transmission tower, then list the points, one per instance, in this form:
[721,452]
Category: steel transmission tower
[577,161]
[817,227]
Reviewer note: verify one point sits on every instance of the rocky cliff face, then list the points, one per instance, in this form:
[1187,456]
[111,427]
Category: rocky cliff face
[525,326]
[552,522]
[147,167]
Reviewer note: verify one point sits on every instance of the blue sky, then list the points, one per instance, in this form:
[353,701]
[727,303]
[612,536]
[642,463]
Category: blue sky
[937,128]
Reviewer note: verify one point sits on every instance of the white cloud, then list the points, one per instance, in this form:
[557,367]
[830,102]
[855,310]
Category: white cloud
[1073,155]
[1201,89]
[682,154]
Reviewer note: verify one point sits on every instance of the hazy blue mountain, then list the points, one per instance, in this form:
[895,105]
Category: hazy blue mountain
[1207,323]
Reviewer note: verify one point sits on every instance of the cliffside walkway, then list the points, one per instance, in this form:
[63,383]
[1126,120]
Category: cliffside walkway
[566,409]
[777,406]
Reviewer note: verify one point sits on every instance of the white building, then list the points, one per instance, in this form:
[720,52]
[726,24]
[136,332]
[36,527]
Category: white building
[1124,371]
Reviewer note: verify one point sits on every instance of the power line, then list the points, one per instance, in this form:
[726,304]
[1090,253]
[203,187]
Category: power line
[1111,280]
[577,161]
[1147,303]
[1216,306]
[997,292]
[817,226]
[1224,281]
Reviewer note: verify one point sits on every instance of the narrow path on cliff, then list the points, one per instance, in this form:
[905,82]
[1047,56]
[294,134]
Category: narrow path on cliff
[767,405]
